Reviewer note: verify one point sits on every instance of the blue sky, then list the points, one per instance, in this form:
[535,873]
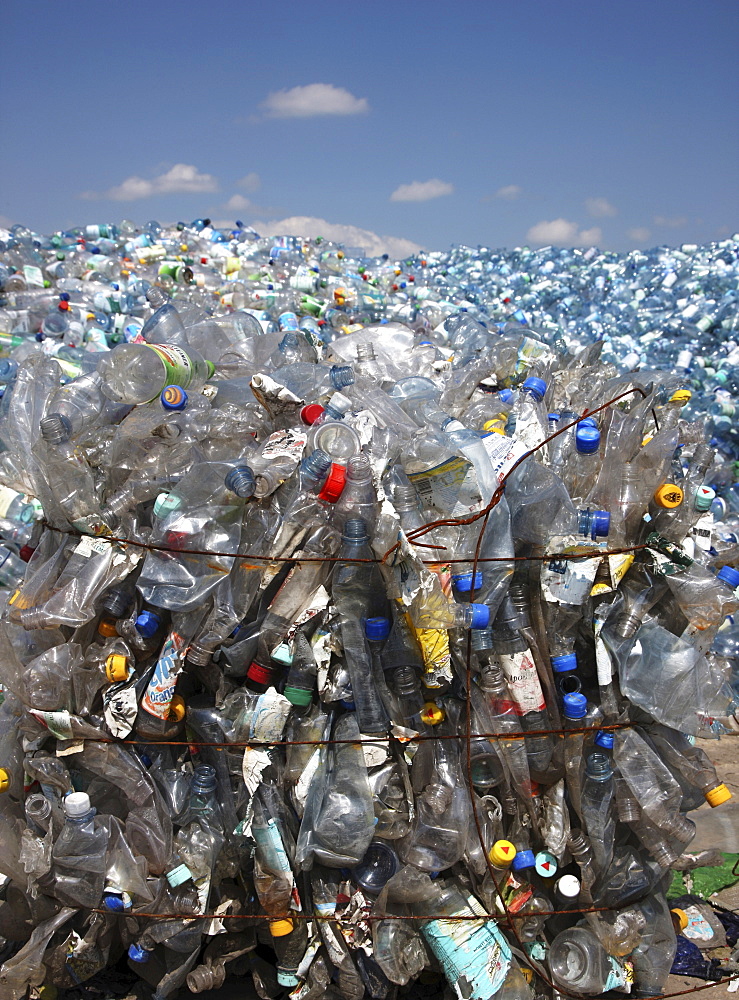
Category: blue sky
[429,123]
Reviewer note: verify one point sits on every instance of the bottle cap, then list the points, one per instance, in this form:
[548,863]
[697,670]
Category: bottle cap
[729,575]
[681,916]
[107,629]
[240,481]
[502,853]
[493,427]
[568,886]
[536,386]
[546,864]
[718,795]
[147,623]
[116,668]
[587,439]
[281,654]
[553,416]
[432,714]
[4,780]
[259,674]
[681,396]
[575,706]
[464,582]
[587,422]
[173,397]
[703,498]
[377,629]
[604,740]
[165,504]
[567,661]
[668,496]
[506,395]
[335,482]
[116,903]
[523,859]
[76,804]
[279,928]
[480,616]
[178,875]
[177,708]
[298,696]
[310,413]
[137,954]
[600,524]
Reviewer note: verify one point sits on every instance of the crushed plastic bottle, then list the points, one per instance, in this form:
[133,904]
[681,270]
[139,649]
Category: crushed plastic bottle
[349,605]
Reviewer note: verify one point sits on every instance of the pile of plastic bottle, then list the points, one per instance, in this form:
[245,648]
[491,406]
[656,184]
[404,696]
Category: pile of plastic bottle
[359,616]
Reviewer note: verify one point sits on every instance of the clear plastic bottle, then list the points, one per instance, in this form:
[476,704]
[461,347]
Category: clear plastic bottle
[79,854]
[137,373]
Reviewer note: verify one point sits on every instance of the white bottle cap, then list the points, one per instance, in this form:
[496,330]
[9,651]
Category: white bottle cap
[568,886]
[76,804]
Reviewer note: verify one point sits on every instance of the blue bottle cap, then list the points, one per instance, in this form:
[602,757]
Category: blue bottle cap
[137,954]
[536,386]
[587,439]
[588,422]
[729,575]
[567,661]
[600,524]
[464,581]
[553,416]
[506,395]
[604,740]
[523,859]
[575,706]
[377,628]
[480,616]
[147,623]
[113,903]
[546,864]
[173,397]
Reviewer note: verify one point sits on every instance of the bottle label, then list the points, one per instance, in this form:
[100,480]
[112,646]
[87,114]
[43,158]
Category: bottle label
[7,496]
[620,976]
[178,366]
[120,708]
[269,842]
[698,928]
[450,487]
[569,581]
[59,724]
[523,682]
[269,718]
[288,443]
[158,697]
[473,953]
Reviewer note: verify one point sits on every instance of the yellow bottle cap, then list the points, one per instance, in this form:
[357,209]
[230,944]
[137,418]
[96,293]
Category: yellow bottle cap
[116,668]
[4,780]
[718,795]
[681,916]
[528,974]
[669,496]
[107,628]
[646,440]
[493,427]
[177,708]
[431,714]
[279,928]
[502,853]
[681,396]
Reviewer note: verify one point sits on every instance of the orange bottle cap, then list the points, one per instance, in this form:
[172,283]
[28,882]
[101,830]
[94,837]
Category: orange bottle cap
[669,496]
[718,795]
[279,927]
[116,668]
[681,916]
[107,628]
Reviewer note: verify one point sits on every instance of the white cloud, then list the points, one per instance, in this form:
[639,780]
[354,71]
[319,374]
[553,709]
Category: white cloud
[676,222]
[313,99]
[509,193]
[422,190]
[237,203]
[640,234]
[181,178]
[251,182]
[352,236]
[561,232]
[600,208]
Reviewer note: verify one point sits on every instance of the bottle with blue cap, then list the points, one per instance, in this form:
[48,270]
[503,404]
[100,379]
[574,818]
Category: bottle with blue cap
[577,714]
[529,416]
[583,467]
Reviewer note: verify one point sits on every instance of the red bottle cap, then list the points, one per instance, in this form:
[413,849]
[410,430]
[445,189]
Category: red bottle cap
[26,552]
[259,674]
[310,413]
[334,485]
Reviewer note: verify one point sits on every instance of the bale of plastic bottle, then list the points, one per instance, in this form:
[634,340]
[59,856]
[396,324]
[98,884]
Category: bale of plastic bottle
[359,617]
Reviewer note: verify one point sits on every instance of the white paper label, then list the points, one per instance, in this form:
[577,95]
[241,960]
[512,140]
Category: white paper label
[523,682]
